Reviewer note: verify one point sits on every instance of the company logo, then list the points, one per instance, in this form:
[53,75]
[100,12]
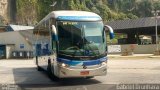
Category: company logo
[84,67]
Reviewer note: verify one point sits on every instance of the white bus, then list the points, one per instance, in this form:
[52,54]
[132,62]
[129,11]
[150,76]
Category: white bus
[71,44]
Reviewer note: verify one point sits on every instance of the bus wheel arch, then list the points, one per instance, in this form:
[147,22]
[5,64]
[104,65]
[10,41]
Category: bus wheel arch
[51,72]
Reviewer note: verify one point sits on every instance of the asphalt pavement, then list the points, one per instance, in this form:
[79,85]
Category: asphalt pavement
[22,74]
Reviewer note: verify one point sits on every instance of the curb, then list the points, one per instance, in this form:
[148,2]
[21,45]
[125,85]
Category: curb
[133,56]
[154,56]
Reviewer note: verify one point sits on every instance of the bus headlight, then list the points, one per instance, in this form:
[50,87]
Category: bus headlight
[64,65]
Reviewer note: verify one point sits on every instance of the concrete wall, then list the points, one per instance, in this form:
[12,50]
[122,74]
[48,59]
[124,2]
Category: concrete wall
[9,49]
[15,38]
[138,49]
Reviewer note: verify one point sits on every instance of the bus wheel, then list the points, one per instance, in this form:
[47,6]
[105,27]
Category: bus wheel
[36,60]
[38,67]
[51,74]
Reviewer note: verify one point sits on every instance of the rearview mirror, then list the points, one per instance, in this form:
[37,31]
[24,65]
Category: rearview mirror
[54,33]
[110,29]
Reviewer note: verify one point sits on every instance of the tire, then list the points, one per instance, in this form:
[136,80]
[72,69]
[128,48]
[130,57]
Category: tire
[38,67]
[36,60]
[51,74]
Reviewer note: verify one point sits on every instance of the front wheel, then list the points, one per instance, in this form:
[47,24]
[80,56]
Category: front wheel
[51,73]
[38,67]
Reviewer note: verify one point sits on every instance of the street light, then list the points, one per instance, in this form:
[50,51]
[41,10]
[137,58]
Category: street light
[54,3]
[155,15]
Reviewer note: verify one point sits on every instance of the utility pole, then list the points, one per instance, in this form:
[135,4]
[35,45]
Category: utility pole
[157,41]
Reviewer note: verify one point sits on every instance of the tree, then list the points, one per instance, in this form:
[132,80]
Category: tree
[30,11]
[26,11]
[156,5]
[144,8]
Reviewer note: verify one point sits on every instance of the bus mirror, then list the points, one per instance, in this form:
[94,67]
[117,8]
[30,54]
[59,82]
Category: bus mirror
[110,29]
[54,33]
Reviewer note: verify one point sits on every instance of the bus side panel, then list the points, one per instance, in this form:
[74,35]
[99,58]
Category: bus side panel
[43,43]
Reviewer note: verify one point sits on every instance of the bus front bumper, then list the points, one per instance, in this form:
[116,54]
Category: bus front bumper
[66,72]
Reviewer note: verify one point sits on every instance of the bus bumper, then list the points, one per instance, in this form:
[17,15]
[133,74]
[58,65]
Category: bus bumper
[66,72]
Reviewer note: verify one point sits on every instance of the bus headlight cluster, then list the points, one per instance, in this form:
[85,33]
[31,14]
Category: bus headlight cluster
[64,65]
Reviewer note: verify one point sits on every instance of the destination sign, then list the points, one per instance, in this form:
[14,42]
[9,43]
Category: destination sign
[69,23]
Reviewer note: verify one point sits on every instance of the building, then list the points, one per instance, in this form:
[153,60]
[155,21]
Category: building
[138,34]
[16,41]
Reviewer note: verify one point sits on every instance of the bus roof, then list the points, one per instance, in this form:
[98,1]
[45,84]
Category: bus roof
[72,13]
[73,16]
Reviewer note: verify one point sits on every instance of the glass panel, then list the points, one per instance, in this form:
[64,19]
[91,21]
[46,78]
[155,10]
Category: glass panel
[81,38]
[43,38]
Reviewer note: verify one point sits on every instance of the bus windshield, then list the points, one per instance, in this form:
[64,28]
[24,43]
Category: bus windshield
[81,39]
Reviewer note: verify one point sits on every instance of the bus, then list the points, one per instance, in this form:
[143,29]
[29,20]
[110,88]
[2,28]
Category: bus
[72,44]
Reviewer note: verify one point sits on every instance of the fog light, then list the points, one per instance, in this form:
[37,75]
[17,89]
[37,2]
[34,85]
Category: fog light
[105,62]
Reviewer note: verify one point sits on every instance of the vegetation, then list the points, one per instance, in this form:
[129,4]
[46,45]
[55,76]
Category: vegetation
[26,11]
[32,11]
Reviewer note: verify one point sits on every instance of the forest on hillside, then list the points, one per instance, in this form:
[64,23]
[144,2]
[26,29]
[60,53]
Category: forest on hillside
[32,11]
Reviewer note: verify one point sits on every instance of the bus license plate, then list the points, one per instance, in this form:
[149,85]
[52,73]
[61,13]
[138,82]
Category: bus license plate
[85,73]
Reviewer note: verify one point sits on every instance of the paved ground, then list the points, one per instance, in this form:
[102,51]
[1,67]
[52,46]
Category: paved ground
[133,71]
[120,71]
[21,72]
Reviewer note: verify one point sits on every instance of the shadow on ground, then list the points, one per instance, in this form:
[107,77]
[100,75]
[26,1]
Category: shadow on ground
[31,78]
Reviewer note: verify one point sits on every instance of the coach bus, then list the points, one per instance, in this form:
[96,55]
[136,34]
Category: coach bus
[72,44]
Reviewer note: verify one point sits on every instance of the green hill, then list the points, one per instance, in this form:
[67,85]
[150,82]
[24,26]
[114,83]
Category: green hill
[32,11]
